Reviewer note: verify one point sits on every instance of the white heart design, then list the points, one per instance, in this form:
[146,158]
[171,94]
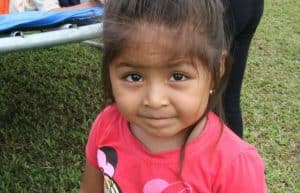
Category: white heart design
[102,163]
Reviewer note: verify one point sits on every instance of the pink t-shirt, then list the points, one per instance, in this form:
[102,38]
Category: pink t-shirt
[215,162]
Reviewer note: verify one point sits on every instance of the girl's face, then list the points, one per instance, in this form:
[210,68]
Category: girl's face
[158,90]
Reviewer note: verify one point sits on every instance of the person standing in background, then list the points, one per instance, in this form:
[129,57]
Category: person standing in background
[244,17]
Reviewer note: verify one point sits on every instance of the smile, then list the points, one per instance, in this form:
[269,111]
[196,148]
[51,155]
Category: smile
[158,121]
[157,117]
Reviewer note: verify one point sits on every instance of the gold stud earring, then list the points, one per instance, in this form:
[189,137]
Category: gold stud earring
[211,91]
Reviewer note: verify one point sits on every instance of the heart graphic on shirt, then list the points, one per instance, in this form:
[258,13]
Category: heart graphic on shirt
[104,164]
[155,186]
[162,186]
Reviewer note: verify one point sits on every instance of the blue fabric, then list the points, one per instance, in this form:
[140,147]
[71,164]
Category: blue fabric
[39,20]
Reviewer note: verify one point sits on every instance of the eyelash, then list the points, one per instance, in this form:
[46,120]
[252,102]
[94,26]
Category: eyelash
[180,74]
[130,77]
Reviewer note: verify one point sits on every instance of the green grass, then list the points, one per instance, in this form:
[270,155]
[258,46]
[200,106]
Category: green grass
[271,94]
[48,99]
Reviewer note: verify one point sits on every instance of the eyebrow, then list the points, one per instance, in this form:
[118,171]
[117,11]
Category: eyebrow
[175,63]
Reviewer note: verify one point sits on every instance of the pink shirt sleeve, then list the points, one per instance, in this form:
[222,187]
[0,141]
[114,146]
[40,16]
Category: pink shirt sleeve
[245,174]
[91,147]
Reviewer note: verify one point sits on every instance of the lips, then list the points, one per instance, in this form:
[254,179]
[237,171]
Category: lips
[158,121]
[156,117]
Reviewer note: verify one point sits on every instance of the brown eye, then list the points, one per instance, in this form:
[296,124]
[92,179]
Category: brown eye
[178,77]
[133,78]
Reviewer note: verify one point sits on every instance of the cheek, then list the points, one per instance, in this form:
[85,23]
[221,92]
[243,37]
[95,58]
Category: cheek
[126,102]
[126,108]
[125,97]
[118,89]
[192,105]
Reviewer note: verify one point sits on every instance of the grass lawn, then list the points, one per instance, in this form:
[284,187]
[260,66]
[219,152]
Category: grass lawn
[49,98]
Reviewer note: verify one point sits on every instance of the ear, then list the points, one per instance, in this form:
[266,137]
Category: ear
[223,60]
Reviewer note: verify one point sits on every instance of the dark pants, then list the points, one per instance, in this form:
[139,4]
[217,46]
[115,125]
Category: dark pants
[246,15]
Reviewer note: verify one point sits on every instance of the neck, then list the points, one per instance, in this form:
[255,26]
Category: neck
[157,144]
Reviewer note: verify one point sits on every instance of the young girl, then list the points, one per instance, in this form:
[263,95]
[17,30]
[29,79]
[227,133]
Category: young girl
[165,66]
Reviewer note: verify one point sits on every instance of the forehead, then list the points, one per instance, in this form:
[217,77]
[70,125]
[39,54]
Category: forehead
[154,43]
[147,36]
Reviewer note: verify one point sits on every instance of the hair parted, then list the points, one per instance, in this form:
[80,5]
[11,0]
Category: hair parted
[197,24]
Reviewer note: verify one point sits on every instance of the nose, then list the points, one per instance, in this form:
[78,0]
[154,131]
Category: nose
[156,96]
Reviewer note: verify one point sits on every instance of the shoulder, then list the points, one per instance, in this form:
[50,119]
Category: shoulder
[238,164]
[105,130]
[107,116]
[106,120]
[231,146]
[241,171]
[228,144]
[235,152]
[109,112]
[227,148]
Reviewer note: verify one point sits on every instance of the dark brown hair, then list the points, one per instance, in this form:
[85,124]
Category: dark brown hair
[199,23]
[199,27]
